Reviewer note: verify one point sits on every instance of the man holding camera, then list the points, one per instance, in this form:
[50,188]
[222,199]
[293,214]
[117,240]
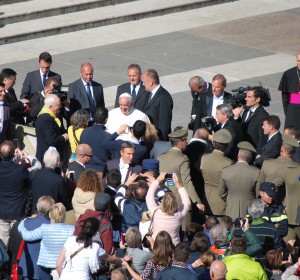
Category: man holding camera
[210,100]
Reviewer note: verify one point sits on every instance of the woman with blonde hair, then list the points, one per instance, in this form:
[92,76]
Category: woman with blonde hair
[88,185]
[168,215]
[53,237]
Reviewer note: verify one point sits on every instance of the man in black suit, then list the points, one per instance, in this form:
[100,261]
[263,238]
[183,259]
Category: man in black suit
[8,78]
[134,88]
[198,86]
[4,114]
[125,163]
[84,154]
[49,129]
[271,149]
[35,80]
[253,116]
[160,104]
[13,187]
[86,93]
[224,116]
[94,137]
[46,181]
[211,99]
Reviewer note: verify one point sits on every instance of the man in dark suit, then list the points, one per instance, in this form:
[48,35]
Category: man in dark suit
[134,88]
[84,154]
[125,163]
[13,187]
[160,104]
[225,119]
[46,181]
[8,78]
[211,99]
[35,80]
[198,87]
[94,137]
[252,117]
[271,149]
[4,114]
[49,129]
[86,93]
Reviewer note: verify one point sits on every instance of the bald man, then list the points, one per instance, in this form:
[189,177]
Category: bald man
[217,270]
[86,93]
[83,155]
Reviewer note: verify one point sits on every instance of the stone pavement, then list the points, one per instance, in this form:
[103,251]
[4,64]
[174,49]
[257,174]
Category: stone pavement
[246,40]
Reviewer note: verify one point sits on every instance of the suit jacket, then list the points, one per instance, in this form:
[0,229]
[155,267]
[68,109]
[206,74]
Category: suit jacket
[48,133]
[211,167]
[46,181]
[196,98]
[13,188]
[289,180]
[160,147]
[138,102]
[94,136]
[114,147]
[159,110]
[16,107]
[205,106]
[235,129]
[133,168]
[33,83]
[194,151]
[252,128]
[77,168]
[79,98]
[238,191]
[270,150]
[6,122]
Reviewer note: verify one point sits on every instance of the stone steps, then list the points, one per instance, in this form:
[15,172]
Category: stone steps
[84,19]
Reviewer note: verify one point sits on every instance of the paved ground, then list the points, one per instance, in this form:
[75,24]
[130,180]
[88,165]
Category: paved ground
[246,40]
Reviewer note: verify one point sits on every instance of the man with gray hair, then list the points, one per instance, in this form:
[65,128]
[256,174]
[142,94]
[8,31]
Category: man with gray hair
[225,119]
[265,232]
[49,129]
[124,114]
[198,86]
[217,270]
[47,181]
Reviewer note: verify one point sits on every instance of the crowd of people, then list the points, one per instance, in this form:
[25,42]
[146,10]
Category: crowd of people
[118,195]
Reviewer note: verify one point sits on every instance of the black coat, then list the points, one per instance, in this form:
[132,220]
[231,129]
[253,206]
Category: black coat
[48,133]
[133,168]
[159,110]
[77,168]
[252,128]
[138,102]
[14,180]
[46,181]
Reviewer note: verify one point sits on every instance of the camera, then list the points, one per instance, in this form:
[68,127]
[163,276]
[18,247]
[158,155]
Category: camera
[237,223]
[61,91]
[169,180]
[239,97]
[209,123]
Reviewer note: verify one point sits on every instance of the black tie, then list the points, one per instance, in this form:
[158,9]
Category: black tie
[249,116]
[133,93]
[44,79]
[151,95]
[91,100]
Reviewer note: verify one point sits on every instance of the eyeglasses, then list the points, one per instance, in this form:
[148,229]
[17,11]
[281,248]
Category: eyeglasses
[86,155]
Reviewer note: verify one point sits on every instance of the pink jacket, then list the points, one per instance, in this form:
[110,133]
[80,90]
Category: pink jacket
[161,221]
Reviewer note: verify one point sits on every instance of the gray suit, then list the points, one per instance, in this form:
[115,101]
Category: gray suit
[237,187]
[79,98]
[33,83]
